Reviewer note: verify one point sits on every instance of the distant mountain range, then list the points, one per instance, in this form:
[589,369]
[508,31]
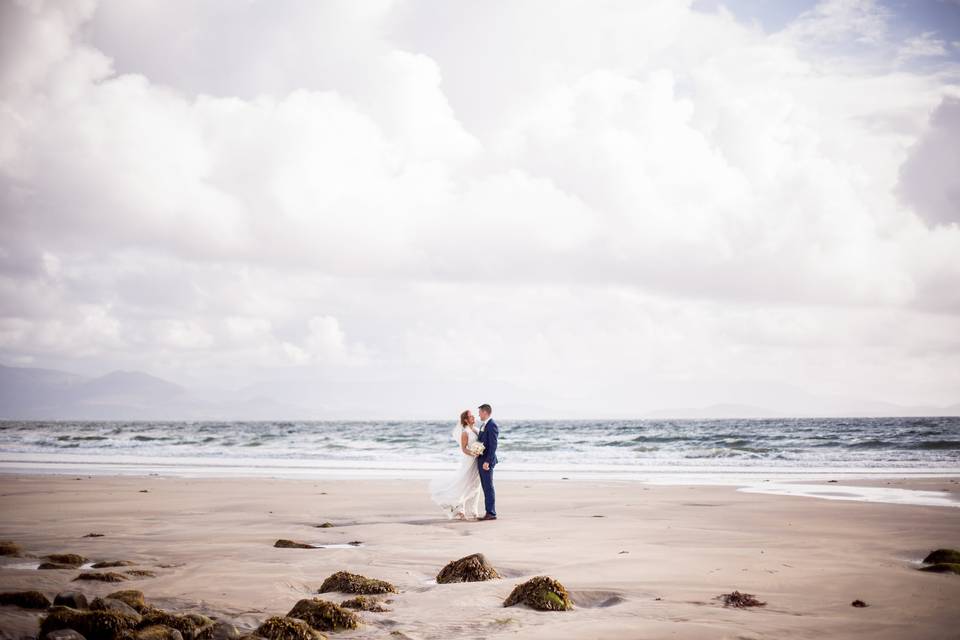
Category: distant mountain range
[47,394]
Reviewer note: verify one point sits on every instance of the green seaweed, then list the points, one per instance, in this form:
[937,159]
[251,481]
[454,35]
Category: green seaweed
[363,603]
[108,576]
[66,558]
[541,593]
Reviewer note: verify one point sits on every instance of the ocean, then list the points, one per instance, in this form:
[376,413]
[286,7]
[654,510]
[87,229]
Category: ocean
[651,450]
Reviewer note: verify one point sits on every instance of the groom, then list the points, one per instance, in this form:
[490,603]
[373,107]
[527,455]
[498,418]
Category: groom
[486,461]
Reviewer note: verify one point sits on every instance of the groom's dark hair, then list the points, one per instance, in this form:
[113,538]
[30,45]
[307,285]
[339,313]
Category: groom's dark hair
[485,407]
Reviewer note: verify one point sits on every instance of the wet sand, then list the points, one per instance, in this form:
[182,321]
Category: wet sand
[640,561]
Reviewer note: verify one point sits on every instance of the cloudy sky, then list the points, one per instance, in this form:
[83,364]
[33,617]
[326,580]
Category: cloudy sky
[608,207]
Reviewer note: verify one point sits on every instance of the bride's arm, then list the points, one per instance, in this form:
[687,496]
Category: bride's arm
[463,443]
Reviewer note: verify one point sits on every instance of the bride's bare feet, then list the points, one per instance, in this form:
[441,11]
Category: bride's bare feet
[459,516]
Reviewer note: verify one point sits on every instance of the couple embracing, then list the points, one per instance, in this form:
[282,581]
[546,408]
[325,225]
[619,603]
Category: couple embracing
[458,494]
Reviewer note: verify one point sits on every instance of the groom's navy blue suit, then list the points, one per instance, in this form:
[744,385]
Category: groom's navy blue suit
[489,439]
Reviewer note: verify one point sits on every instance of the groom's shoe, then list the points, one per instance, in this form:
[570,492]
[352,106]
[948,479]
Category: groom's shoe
[487,516]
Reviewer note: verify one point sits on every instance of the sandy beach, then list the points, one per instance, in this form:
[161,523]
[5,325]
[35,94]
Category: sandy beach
[639,561]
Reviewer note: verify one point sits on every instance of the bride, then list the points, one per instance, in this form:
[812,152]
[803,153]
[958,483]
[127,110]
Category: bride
[459,493]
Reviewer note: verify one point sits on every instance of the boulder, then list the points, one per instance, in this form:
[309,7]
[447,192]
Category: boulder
[363,603]
[352,583]
[472,568]
[541,593]
[71,559]
[281,628]
[939,556]
[25,599]
[64,634]
[73,599]
[112,604]
[93,625]
[8,548]
[290,544]
[219,630]
[157,632]
[943,567]
[132,597]
[106,564]
[108,576]
[323,615]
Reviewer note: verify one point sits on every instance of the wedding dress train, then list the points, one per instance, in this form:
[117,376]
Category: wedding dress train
[459,492]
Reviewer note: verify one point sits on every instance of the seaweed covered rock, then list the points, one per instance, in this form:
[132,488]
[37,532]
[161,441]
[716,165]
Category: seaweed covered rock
[219,630]
[157,632]
[44,566]
[740,600]
[64,634]
[93,625]
[943,556]
[71,559]
[107,564]
[345,582]
[323,615]
[291,544]
[472,568]
[73,599]
[112,604]
[281,628]
[943,567]
[540,593]
[107,576]
[9,548]
[325,525]
[132,597]
[185,624]
[141,573]
[25,599]
[363,603]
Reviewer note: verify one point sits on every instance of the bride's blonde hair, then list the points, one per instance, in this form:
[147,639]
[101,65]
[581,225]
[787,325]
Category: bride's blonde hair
[464,418]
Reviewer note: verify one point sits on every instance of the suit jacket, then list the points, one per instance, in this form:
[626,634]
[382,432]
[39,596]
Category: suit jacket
[489,437]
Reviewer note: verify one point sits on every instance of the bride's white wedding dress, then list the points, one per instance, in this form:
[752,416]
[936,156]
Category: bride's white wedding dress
[459,492]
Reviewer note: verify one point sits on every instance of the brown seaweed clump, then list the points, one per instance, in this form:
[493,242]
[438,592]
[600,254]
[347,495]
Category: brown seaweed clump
[943,556]
[132,597]
[109,576]
[740,600]
[291,544]
[9,548]
[185,624]
[25,599]
[107,564]
[71,559]
[942,567]
[363,603]
[93,625]
[141,573]
[158,632]
[56,565]
[541,593]
[113,604]
[472,568]
[345,582]
[282,628]
[323,615]
[860,604]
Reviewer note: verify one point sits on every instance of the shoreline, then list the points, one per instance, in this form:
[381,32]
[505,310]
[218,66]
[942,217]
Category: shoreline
[641,561]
